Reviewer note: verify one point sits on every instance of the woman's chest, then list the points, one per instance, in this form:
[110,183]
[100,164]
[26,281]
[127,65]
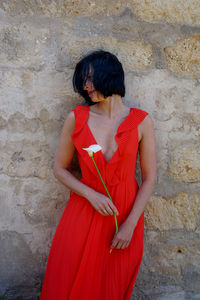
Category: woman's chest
[104,134]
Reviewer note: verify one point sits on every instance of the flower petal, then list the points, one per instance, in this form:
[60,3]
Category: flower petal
[94,148]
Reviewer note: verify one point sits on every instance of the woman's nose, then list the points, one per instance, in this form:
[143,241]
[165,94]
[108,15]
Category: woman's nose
[85,85]
[88,84]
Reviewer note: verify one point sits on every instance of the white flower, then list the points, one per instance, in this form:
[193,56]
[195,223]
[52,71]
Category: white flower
[92,148]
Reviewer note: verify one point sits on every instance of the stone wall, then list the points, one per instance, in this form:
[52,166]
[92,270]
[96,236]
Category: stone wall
[158,43]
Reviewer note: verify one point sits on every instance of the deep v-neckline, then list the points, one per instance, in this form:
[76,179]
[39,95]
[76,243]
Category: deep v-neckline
[95,141]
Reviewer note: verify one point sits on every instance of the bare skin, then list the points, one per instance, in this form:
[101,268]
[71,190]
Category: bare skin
[104,119]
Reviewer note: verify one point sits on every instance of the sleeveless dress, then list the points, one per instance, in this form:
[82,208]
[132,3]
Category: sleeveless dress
[80,265]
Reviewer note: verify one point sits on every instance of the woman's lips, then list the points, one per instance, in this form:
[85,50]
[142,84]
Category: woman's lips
[90,92]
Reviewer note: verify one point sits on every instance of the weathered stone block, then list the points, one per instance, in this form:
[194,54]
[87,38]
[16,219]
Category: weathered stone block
[166,255]
[184,56]
[63,8]
[173,11]
[135,55]
[182,211]
[23,45]
[34,203]
[18,272]
[185,164]
[173,104]
[29,92]
[25,159]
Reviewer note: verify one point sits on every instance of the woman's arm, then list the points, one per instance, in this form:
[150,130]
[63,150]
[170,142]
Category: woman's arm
[147,150]
[64,155]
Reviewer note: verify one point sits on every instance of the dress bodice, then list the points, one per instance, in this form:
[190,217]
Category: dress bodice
[121,166]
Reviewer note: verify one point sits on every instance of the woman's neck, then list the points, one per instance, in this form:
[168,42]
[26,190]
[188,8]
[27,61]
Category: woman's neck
[110,106]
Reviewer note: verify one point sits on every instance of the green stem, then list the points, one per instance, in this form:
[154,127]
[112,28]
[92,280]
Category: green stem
[106,191]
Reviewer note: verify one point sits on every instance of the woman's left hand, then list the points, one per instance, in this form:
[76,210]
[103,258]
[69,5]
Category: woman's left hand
[122,239]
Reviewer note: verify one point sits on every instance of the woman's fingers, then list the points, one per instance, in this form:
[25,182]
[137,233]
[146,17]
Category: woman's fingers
[108,208]
[107,211]
[113,208]
[119,244]
[125,245]
[103,204]
[114,243]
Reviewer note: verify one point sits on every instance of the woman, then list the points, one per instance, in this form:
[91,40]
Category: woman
[87,260]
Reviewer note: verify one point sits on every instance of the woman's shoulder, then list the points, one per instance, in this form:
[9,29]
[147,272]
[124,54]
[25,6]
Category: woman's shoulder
[76,115]
[140,111]
[71,116]
[143,119]
[139,115]
[69,123]
[80,107]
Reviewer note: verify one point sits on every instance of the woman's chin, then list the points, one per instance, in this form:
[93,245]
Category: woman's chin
[94,99]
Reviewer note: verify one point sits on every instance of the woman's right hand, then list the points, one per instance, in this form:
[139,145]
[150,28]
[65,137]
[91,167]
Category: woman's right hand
[102,204]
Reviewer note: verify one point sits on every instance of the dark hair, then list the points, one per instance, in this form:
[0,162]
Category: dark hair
[108,75]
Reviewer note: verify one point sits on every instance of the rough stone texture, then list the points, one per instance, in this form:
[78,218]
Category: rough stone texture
[63,8]
[19,267]
[136,54]
[25,159]
[170,257]
[172,11]
[184,56]
[163,214]
[158,45]
[185,164]
[173,104]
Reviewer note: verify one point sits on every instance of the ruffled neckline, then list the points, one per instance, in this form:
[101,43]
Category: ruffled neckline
[122,137]
[123,126]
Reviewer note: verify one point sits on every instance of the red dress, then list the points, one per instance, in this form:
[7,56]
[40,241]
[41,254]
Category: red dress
[80,265]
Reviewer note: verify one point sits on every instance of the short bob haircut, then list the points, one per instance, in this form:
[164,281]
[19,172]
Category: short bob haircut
[108,75]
